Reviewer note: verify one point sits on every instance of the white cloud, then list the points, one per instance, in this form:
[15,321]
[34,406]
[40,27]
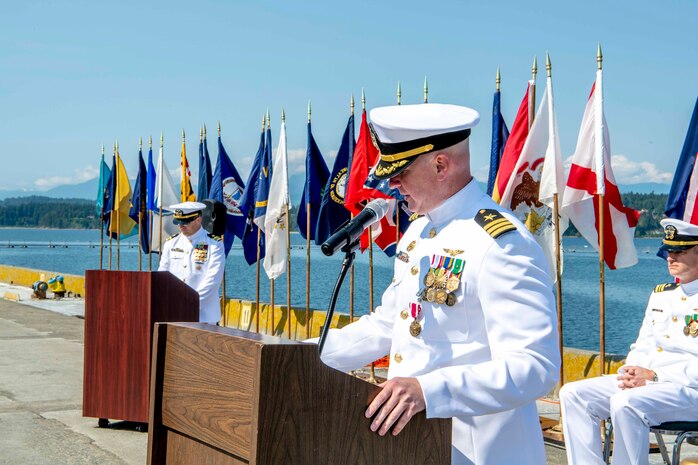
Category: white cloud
[79,175]
[627,171]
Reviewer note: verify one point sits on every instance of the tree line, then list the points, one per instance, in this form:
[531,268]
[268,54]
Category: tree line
[46,212]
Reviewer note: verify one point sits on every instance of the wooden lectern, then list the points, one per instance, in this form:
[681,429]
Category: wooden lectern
[222,396]
[121,308]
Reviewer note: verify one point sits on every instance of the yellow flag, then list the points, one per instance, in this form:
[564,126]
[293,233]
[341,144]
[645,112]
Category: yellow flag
[121,222]
[185,185]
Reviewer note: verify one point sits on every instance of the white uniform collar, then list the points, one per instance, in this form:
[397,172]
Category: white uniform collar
[454,205]
[198,235]
[690,288]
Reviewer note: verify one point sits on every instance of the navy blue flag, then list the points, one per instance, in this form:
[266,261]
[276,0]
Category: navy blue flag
[138,204]
[316,175]
[150,184]
[332,214]
[249,238]
[109,195]
[500,134]
[205,174]
[261,193]
[682,184]
[226,187]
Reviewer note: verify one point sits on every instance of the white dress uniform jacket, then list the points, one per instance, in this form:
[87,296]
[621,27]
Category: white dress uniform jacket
[661,346]
[482,361]
[199,261]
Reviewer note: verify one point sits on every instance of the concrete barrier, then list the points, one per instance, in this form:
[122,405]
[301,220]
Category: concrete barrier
[27,276]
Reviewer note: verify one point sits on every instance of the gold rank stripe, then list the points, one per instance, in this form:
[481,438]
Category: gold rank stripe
[498,227]
[667,242]
[408,153]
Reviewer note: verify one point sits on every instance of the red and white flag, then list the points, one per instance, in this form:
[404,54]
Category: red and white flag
[538,176]
[584,186]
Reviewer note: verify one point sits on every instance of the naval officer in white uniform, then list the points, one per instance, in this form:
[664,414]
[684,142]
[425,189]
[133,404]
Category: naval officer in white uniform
[196,257]
[469,318]
[659,381]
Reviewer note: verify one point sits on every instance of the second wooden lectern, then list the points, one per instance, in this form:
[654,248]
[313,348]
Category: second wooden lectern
[228,397]
[121,308]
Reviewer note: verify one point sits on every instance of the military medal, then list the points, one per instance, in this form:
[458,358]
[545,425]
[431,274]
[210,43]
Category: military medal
[686,329]
[415,327]
[431,294]
[429,279]
[441,297]
[452,284]
[451,299]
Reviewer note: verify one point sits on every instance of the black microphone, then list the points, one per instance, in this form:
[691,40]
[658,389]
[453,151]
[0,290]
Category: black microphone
[351,231]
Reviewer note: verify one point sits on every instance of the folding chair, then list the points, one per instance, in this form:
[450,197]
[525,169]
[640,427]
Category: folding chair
[682,429]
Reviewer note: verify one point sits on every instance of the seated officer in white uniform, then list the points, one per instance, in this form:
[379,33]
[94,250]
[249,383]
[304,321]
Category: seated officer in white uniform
[659,381]
[469,318]
[196,257]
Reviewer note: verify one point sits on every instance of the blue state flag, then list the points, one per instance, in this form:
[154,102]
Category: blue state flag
[261,193]
[150,184]
[500,134]
[316,175]
[681,203]
[104,174]
[332,214]
[205,174]
[138,209]
[227,187]
[251,235]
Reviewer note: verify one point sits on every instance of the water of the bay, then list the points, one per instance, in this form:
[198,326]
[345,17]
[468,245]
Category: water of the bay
[626,290]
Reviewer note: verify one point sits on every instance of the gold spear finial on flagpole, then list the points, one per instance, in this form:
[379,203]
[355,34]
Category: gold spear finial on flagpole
[102,150]
[309,111]
[534,68]
[283,115]
[162,140]
[399,93]
[363,100]
[264,121]
[201,134]
[150,141]
[548,65]
[219,129]
[182,135]
[351,104]
[140,144]
[268,119]
[426,90]
[204,130]
[497,80]
[599,57]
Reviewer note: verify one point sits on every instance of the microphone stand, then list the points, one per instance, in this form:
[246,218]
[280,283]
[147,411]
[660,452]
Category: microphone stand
[349,255]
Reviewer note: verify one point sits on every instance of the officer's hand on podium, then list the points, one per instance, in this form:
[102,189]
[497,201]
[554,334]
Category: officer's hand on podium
[395,405]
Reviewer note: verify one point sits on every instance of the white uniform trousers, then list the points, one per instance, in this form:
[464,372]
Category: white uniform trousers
[586,403]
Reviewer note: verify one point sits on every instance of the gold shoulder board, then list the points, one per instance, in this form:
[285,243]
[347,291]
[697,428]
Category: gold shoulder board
[172,237]
[665,287]
[215,238]
[493,222]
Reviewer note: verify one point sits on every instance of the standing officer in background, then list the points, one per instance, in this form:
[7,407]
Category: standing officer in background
[469,319]
[659,381]
[196,257]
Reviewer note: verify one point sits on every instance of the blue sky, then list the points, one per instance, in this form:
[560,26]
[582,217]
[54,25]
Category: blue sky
[78,74]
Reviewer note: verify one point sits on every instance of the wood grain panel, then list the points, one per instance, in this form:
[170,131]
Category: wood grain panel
[180,449]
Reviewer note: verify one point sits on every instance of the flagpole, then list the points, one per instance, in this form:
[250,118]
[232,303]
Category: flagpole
[602,271]
[118,215]
[288,249]
[223,312]
[259,255]
[372,377]
[307,256]
[397,212]
[558,257]
[271,308]
[532,93]
[162,166]
[101,216]
[111,212]
[140,211]
[150,212]
[426,90]
[351,271]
